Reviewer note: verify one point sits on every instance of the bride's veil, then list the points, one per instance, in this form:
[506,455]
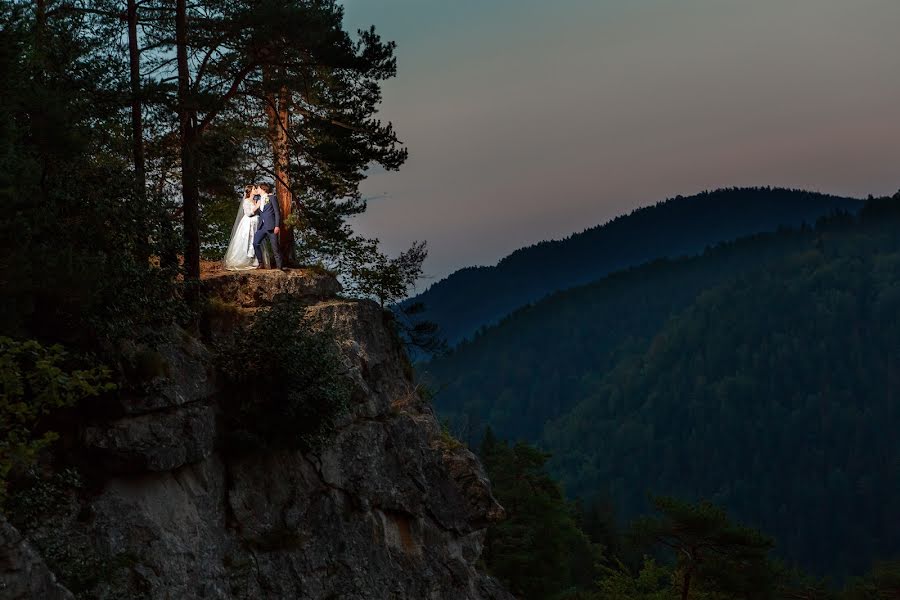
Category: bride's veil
[237,220]
[235,256]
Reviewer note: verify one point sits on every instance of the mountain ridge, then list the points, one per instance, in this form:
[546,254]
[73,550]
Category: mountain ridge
[472,297]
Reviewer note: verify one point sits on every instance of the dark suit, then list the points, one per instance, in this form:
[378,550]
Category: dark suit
[269,219]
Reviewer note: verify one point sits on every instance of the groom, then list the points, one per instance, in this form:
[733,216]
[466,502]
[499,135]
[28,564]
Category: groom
[269,221]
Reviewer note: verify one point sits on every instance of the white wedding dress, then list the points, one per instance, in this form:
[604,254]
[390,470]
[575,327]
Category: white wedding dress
[239,254]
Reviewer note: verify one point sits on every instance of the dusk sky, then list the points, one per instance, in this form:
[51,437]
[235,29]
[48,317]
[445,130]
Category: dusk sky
[530,120]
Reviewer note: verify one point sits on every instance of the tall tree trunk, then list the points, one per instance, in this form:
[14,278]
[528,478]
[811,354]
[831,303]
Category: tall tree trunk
[282,165]
[137,125]
[37,115]
[40,25]
[190,191]
[279,118]
[686,584]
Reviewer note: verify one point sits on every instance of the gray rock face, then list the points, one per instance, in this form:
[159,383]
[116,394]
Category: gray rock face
[160,441]
[174,372]
[389,508]
[23,574]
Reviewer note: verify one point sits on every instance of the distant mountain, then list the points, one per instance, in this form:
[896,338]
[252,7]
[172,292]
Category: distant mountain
[476,296]
[761,374]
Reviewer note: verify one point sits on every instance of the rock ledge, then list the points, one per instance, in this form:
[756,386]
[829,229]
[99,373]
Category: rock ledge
[256,288]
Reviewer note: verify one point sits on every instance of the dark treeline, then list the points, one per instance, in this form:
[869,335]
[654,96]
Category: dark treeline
[550,548]
[479,296]
[761,375]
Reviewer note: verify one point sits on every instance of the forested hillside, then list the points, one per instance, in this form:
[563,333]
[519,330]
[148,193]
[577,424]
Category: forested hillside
[761,375]
[536,363]
[476,296]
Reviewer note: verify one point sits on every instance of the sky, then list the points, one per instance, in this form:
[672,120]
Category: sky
[529,120]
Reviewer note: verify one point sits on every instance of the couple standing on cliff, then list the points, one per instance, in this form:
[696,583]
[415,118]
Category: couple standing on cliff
[258,220]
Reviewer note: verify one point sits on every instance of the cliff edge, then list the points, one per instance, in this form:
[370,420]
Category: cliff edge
[390,507]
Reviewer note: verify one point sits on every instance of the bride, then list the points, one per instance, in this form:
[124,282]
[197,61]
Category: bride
[240,255]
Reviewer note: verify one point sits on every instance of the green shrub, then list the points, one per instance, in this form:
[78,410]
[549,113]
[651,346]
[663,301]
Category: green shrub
[286,382]
[38,494]
[36,381]
[84,570]
[447,438]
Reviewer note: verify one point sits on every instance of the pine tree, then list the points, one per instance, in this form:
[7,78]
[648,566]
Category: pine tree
[712,554]
[76,270]
[286,71]
[881,583]
[537,550]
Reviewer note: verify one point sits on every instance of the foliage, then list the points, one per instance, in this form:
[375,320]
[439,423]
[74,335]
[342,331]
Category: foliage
[38,494]
[447,438]
[423,337]
[794,584]
[82,569]
[333,79]
[35,382]
[692,551]
[537,550]
[367,272]
[241,64]
[534,365]
[713,555]
[732,376]
[102,260]
[652,582]
[78,243]
[287,382]
[881,583]
[386,279]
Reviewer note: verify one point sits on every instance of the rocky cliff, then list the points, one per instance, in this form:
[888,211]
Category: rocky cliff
[389,508]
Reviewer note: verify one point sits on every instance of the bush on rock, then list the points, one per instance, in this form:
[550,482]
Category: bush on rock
[286,382]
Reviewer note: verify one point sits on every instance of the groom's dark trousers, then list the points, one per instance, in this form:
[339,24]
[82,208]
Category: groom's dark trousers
[269,219]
